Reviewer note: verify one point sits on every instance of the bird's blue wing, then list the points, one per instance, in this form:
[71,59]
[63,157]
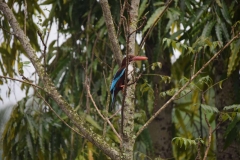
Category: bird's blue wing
[116,78]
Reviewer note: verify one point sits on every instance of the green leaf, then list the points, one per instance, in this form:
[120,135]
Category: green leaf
[30,125]
[154,17]
[159,64]
[196,18]
[208,28]
[234,58]
[20,68]
[224,29]
[180,120]
[231,125]
[70,11]
[100,23]
[40,138]
[225,13]
[142,8]
[225,116]
[218,30]
[94,123]
[184,141]
[219,3]
[26,62]
[234,107]
[145,87]
[208,108]
[30,145]
[206,80]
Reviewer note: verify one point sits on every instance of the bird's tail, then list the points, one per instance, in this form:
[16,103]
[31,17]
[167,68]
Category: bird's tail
[112,103]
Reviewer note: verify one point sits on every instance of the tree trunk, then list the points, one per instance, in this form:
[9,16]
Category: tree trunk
[161,128]
[129,107]
[228,95]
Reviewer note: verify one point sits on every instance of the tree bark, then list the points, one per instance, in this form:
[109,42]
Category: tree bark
[228,95]
[111,31]
[129,107]
[161,127]
[97,140]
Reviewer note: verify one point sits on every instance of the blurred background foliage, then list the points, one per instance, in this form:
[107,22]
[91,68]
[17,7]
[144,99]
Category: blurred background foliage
[195,30]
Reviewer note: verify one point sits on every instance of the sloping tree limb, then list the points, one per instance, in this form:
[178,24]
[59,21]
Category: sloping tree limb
[94,138]
[183,87]
[111,31]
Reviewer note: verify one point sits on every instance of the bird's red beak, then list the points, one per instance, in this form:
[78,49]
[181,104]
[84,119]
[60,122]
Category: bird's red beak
[139,58]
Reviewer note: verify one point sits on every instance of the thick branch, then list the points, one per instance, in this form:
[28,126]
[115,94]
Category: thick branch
[183,87]
[129,99]
[111,31]
[51,89]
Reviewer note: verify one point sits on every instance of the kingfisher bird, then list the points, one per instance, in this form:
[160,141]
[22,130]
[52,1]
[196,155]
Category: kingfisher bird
[118,79]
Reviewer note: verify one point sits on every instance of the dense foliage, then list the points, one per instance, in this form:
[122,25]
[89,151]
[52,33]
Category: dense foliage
[197,30]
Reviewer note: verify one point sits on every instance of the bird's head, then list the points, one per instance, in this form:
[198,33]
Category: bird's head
[132,58]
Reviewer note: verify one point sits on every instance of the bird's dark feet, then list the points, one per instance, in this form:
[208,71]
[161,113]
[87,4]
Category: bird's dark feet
[123,87]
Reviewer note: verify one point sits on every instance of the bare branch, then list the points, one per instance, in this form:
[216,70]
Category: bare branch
[6,30]
[105,119]
[25,15]
[27,81]
[141,26]
[121,15]
[111,31]
[209,138]
[198,150]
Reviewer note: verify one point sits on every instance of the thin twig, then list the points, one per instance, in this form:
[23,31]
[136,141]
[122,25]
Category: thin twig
[107,86]
[143,23]
[125,27]
[44,50]
[7,31]
[115,113]
[209,137]
[105,119]
[214,85]
[186,84]
[194,64]
[27,81]
[121,15]
[198,150]
[107,106]
[154,24]
[39,95]
[42,40]
[25,15]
